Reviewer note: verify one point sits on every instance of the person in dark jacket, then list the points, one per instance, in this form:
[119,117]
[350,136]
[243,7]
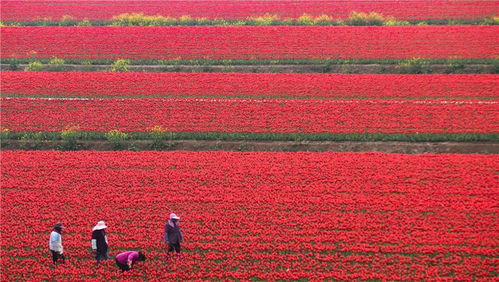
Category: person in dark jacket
[99,242]
[173,235]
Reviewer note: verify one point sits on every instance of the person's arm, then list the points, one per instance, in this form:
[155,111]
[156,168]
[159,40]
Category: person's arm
[131,258]
[94,241]
[166,233]
[60,244]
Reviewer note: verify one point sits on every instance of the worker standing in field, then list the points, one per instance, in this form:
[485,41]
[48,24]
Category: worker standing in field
[55,243]
[99,242]
[173,235]
[127,260]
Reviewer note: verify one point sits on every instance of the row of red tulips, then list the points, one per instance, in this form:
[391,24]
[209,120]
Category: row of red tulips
[236,9]
[351,86]
[252,115]
[251,42]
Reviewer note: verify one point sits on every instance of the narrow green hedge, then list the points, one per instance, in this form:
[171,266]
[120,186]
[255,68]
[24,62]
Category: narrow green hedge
[229,22]
[221,96]
[239,136]
[407,66]
[228,62]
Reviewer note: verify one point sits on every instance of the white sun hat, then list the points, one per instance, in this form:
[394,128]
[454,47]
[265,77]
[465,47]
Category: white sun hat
[174,216]
[100,225]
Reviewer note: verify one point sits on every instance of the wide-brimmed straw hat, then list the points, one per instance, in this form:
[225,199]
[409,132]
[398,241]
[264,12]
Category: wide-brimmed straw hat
[100,225]
[174,216]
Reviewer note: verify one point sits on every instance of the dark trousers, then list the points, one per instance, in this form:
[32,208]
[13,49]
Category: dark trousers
[174,247]
[122,266]
[101,255]
[56,256]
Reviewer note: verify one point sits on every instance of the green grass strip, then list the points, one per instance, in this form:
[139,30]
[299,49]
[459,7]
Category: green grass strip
[251,136]
[330,65]
[230,62]
[220,96]
[269,21]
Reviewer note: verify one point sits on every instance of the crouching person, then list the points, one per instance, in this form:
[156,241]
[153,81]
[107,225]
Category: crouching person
[126,260]
[55,243]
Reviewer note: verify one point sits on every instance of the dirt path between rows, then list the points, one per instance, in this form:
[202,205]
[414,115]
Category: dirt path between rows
[346,68]
[281,146]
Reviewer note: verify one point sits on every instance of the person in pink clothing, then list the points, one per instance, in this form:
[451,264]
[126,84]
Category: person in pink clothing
[126,260]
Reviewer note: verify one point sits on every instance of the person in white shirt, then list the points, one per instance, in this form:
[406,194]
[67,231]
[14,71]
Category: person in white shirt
[55,244]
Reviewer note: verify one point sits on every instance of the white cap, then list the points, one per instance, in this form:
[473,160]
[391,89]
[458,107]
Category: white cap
[174,216]
[100,225]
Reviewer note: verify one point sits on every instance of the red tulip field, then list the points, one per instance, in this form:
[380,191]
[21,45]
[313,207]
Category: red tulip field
[271,216]
[246,85]
[252,115]
[251,42]
[229,9]
[297,140]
